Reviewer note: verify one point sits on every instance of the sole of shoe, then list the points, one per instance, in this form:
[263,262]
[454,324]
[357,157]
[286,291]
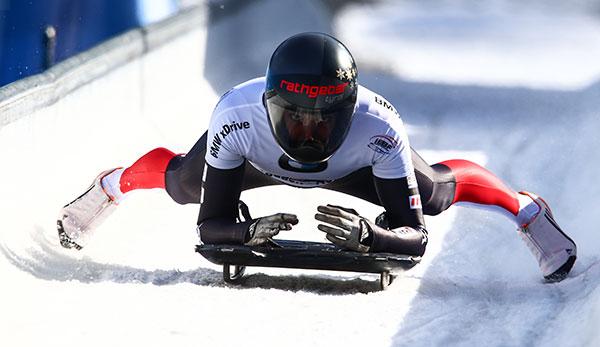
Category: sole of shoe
[562,272]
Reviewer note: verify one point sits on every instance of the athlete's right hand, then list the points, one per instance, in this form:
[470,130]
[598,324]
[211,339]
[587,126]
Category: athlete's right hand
[266,227]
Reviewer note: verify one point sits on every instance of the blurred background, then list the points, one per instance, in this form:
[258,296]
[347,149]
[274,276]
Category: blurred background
[36,34]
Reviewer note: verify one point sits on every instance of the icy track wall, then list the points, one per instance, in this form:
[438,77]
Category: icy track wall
[138,91]
[101,109]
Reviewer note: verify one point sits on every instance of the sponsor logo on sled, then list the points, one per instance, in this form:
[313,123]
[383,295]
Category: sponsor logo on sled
[415,202]
[382,144]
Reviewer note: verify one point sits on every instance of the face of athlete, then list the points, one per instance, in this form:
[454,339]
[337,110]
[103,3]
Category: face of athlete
[309,128]
[308,135]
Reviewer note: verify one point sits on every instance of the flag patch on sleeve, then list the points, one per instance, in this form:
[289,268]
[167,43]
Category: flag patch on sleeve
[415,202]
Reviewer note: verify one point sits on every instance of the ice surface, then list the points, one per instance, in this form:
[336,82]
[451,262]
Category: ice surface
[139,282]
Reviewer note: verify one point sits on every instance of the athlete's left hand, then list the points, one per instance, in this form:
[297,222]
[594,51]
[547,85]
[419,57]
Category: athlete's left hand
[351,230]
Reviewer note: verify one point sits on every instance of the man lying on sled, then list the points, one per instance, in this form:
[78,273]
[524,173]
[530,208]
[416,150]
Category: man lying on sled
[306,124]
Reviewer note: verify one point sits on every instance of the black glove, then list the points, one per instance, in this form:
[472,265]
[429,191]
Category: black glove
[353,231]
[264,228]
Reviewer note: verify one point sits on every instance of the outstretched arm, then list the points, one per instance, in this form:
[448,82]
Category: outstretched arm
[401,231]
[405,232]
[219,199]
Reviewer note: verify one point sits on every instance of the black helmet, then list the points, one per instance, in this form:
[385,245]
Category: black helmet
[310,96]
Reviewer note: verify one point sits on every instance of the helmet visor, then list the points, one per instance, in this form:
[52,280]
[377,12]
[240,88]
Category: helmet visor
[308,135]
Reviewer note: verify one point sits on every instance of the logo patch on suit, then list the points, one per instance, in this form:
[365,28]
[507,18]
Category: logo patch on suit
[226,129]
[412,181]
[415,202]
[383,144]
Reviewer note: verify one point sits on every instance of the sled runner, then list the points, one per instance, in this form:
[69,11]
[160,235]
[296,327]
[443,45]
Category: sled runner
[304,255]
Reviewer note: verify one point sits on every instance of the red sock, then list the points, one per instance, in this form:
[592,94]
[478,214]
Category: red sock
[478,185]
[148,171]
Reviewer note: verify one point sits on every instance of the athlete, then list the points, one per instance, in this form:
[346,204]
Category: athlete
[308,123]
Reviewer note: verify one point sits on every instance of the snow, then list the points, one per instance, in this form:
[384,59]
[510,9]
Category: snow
[139,282]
